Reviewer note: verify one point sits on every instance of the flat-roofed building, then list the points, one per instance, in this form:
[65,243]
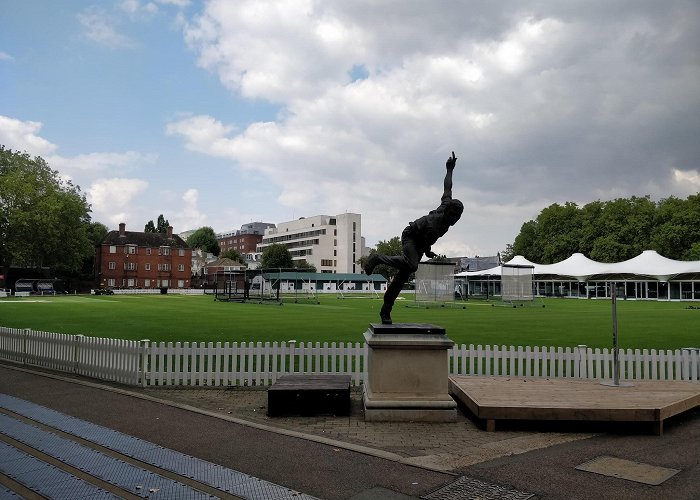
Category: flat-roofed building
[245,239]
[332,243]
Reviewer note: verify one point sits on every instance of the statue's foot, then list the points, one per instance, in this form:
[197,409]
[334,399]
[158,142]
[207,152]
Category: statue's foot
[385,315]
[371,263]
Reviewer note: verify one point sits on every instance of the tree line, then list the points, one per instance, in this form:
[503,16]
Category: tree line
[611,231]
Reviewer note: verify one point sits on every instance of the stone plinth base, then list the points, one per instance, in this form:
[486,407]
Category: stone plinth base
[407,370]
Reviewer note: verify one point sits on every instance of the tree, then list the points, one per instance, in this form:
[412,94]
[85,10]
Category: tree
[307,267]
[163,224]
[232,254]
[161,227]
[276,255]
[96,232]
[44,220]
[389,247]
[612,231]
[204,238]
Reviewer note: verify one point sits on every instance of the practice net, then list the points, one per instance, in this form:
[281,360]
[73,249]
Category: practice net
[516,283]
[435,282]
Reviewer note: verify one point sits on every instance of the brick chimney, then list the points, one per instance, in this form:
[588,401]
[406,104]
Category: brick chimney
[122,229]
[170,232]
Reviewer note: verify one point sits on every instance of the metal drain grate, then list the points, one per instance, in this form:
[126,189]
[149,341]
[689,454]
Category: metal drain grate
[121,473]
[470,488]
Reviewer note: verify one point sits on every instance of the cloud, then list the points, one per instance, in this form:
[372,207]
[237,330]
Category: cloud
[189,216]
[113,199]
[543,103]
[99,27]
[96,163]
[4,56]
[176,3]
[135,8]
[23,136]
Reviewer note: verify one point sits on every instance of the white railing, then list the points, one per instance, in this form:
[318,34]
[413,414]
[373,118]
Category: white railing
[259,364]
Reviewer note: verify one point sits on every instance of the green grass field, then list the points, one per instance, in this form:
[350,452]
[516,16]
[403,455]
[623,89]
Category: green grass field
[563,322]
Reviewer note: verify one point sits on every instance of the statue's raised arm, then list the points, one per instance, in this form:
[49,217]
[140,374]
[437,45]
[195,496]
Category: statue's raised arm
[450,165]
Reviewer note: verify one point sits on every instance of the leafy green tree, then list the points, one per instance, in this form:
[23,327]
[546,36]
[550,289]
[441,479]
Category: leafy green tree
[232,254]
[44,220]
[276,255]
[307,267]
[204,238]
[163,224]
[527,242]
[508,253]
[388,247]
[612,231]
[694,252]
[558,231]
[96,232]
[160,227]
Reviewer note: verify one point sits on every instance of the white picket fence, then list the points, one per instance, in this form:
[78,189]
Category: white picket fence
[148,363]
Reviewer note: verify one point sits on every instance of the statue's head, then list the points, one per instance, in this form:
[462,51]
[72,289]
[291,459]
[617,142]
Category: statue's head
[453,211]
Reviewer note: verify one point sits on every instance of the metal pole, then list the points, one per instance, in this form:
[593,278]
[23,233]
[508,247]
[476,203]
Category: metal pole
[616,351]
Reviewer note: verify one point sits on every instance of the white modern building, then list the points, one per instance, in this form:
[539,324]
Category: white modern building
[332,243]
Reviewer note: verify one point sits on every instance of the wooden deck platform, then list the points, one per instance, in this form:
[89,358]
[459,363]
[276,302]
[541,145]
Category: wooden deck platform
[505,398]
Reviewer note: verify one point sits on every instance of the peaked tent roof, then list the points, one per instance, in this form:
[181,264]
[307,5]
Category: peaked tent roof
[647,264]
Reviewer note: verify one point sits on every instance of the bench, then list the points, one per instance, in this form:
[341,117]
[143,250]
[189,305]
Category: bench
[309,395]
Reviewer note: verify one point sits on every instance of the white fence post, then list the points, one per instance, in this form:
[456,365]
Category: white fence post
[77,340]
[25,338]
[143,364]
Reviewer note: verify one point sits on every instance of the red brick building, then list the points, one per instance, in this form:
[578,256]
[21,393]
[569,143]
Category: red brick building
[129,259]
[244,240]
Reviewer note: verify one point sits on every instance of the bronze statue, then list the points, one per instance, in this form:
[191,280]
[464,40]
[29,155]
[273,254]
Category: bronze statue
[416,240]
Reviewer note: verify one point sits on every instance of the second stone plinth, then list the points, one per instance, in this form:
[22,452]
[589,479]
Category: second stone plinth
[407,374]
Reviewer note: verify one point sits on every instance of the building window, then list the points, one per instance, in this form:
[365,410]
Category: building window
[181,252]
[112,265]
[110,282]
[164,267]
[164,283]
[130,249]
[148,251]
[164,251]
[335,243]
[147,283]
[148,266]
[112,249]
[181,268]
[354,226]
[326,262]
[130,282]
[181,283]
[130,266]
[335,253]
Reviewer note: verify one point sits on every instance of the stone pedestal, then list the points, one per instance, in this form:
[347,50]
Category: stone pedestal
[407,374]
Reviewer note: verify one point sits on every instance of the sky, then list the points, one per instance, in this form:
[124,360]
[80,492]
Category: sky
[224,112]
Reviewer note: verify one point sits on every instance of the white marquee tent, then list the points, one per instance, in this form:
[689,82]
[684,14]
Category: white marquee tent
[648,266]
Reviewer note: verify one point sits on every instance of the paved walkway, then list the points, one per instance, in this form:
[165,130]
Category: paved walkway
[345,457]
